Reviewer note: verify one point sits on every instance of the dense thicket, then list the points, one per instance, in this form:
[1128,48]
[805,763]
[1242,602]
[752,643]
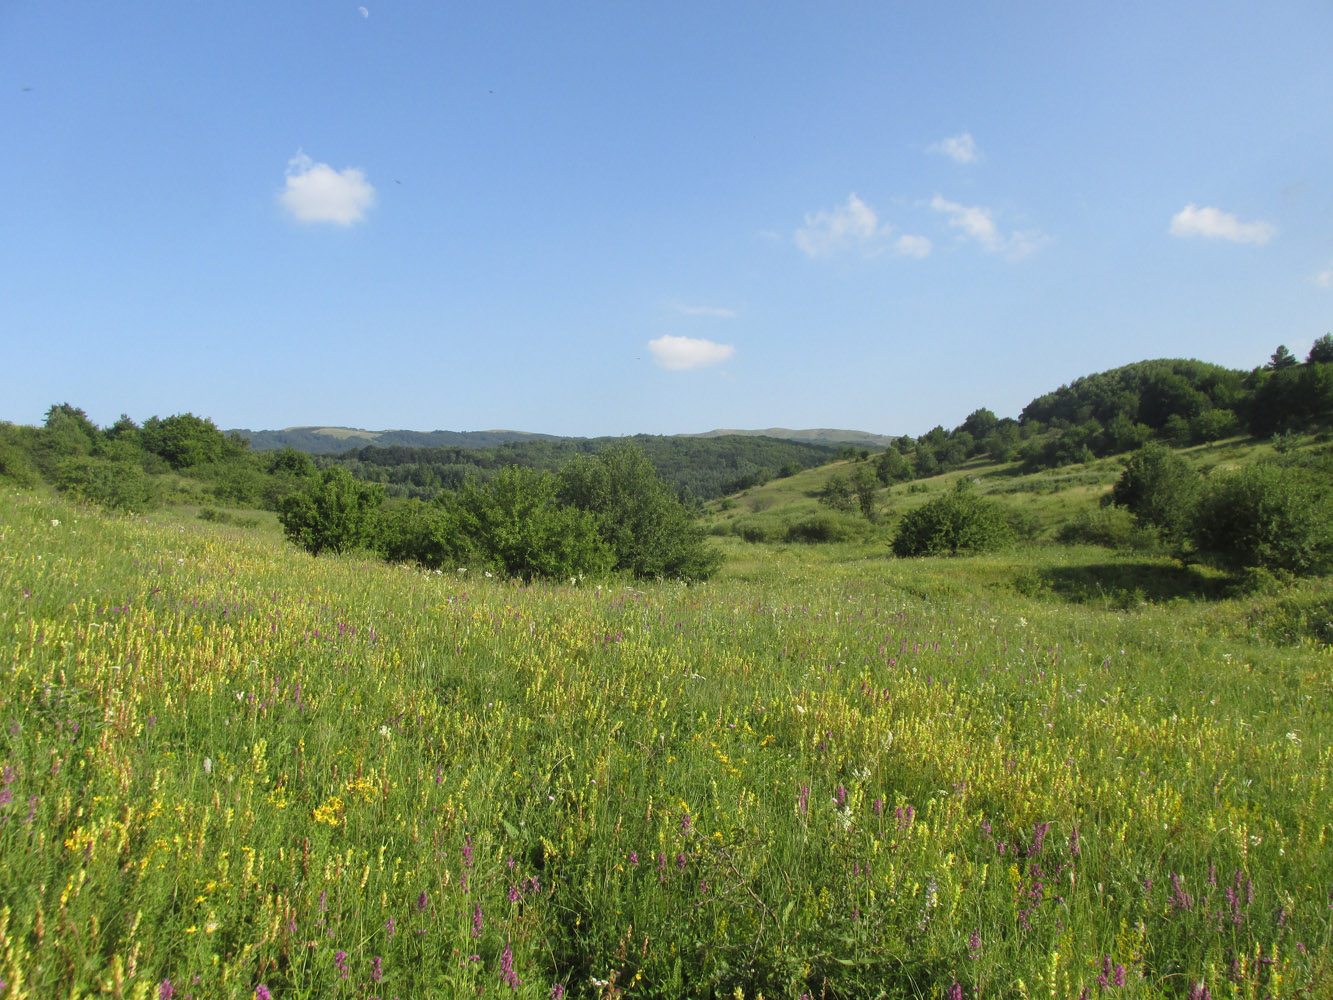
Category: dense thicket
[1275,515]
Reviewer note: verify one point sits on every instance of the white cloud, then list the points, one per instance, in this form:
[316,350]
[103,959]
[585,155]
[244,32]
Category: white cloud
[959,148]
[826,232]
[715,311]
[913,246]
[683,353]
[1216,224]
[1324,279]
[315,192]
[977,223]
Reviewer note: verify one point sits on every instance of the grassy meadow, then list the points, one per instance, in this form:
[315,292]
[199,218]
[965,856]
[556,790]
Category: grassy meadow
[232,770]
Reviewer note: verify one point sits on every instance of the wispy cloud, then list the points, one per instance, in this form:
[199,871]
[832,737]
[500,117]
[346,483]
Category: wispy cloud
[684,353]
[913,246]
[1324,279]
[959,148]
[1215,224]
[315,192]
[977,223]
[715,311]
[828,231]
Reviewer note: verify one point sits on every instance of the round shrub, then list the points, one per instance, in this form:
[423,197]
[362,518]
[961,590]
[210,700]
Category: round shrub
[959,521]
[1270,516]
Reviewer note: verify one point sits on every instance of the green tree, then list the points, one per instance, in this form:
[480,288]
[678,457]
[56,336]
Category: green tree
[837,494]
[1321,351]
[516,522]
[649,532]
[1213,425]
[1160,489]
[1281,358]
[892,467]
[960,521]
[1270,516]
[184,440]
[335,514]
[864,485]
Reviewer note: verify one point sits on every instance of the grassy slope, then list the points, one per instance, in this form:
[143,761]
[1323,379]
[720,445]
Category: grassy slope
[823,771]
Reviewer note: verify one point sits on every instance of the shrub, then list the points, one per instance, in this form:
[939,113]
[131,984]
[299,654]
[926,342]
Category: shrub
[1160,489]
[649,532]
[823,528]
[114,485]
[959,521]
[335,514]
[1109,527]
[1276,517]
[517,522]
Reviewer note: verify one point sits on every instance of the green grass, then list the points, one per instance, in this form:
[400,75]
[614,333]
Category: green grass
[826,773]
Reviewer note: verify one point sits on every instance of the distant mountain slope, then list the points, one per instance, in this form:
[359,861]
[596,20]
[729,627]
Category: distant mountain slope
[335,440]
[818,435]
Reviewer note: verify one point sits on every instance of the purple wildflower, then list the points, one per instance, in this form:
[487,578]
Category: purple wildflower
[507,973]
[634,858]
[340,962]
[680,860]
[389,927]
[557,991]
[165,991]
[840,797]
[377,969]
[422,902]
[803,802]
[974,943]
[262,993]
[477,923]
[955,991]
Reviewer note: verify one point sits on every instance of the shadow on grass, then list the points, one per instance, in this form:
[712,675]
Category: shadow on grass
[1124,585]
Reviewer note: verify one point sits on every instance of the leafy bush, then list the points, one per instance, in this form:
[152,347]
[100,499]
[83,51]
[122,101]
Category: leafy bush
[1109,527]
[959,521]
[823,528]
[517,522]
[1276,517]
[1160,489]
[649,532]
[114,485]
[335,514]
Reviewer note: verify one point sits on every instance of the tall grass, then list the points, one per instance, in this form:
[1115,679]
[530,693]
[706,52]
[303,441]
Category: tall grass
[232,770]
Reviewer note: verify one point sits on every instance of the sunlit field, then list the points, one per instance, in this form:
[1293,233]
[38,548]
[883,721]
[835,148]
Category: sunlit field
[233,770]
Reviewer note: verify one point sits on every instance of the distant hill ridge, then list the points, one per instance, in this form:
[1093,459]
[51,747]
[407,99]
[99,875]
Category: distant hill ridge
[335,440]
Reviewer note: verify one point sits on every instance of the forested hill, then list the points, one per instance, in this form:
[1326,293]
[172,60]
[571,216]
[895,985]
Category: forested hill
[336,440]
[700,467]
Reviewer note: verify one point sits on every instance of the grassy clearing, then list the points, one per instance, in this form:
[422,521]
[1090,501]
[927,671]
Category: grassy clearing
[232,770]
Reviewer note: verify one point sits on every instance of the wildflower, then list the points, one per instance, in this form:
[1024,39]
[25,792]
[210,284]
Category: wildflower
[840,797]
[340,962]
[262,993]
[557,991]
[507,973]
[680,860]
[165,991]
[634,858]
[477,922]
[955,991]
[422,902]
[974,943]
[389,927]
[377,969]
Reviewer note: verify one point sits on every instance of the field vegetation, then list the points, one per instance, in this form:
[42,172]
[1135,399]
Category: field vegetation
[231,769]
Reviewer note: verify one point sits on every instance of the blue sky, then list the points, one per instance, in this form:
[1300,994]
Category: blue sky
[607,218]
